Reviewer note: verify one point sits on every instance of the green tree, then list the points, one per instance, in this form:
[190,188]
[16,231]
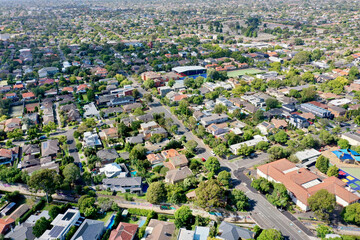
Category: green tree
[270,234]
[281,137]
[149,84]
[279,197]
[351,213]
[308,77]
[240,200]
[190,145]
[333,171]
[209,194]
[171,82]
[41,226]
[322,163]
[322,203]
[212,164]
[343,144]
[326,137]
[183,217]
[221,149]
[322,230]
[277,152]
[156,193]
[46,179]
[272,103]
[261,184]
[224,178]
[138,152]
[71,173]
[86,205]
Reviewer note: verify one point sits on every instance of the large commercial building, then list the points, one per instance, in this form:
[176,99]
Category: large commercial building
[189,70]
[317,111]
[301,183]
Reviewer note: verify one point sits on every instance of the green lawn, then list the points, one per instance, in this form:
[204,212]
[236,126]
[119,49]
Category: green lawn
[84,96]
[242,72]
[104,218]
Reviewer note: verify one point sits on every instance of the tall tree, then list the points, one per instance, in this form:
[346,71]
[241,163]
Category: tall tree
[212,164]
[322,163]
[156,193]
[209,194]
[351,213]
[322,203]
[71,173]
[46,179]
[183,217]
[270,234]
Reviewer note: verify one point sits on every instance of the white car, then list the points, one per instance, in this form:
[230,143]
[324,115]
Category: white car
[212,153]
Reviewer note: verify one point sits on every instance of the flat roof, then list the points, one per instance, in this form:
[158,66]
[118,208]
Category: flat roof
[187,68]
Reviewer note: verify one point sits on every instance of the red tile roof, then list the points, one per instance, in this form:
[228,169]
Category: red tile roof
[293,178]
[124,231]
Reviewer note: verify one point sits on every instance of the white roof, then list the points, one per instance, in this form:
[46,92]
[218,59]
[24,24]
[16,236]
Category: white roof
[187,68]
[307,154]
[339,102]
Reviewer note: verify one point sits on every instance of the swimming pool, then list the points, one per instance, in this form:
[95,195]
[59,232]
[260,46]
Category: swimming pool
[111,222]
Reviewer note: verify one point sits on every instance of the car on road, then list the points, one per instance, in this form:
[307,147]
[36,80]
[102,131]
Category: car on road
[203,159]
[212,153]
[42,137]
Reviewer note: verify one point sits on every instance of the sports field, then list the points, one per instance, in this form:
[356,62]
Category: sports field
[242,72]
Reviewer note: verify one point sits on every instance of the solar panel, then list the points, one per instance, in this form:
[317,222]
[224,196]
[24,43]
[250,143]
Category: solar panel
[68,216]
[55,231]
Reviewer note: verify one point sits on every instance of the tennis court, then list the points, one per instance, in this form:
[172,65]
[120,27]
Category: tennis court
[242,72]
[350,180]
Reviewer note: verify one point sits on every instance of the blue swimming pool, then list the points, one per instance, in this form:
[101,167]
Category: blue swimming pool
[111,223]
[142,222]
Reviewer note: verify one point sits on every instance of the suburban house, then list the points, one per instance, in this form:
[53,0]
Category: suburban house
[229,231]
[265,127]
[127,184]
[6,225]
[250,143]
[114,170]
[107,155]
[110,133]
[155,158]
[91,111]
[177,162]
[11,124]
[200,233]
[353,138]
[89,230]
[301,183]
[61,225]
[149,126]
[91,139]
[31,149]
[159,230]
[124,231]
[25,230]
[50,148]
[214,118]
[298,121]
[177,175]
[8,155]
[316,110]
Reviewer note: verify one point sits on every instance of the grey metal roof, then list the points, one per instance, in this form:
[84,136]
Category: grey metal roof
[233,232]
[89,230]
[129,181]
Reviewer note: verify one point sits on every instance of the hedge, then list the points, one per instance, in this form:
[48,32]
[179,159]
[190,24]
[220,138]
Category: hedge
[139,212]
[40,205]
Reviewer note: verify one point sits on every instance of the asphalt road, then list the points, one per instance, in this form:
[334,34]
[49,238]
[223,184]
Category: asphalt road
[268,216]
[265,214]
